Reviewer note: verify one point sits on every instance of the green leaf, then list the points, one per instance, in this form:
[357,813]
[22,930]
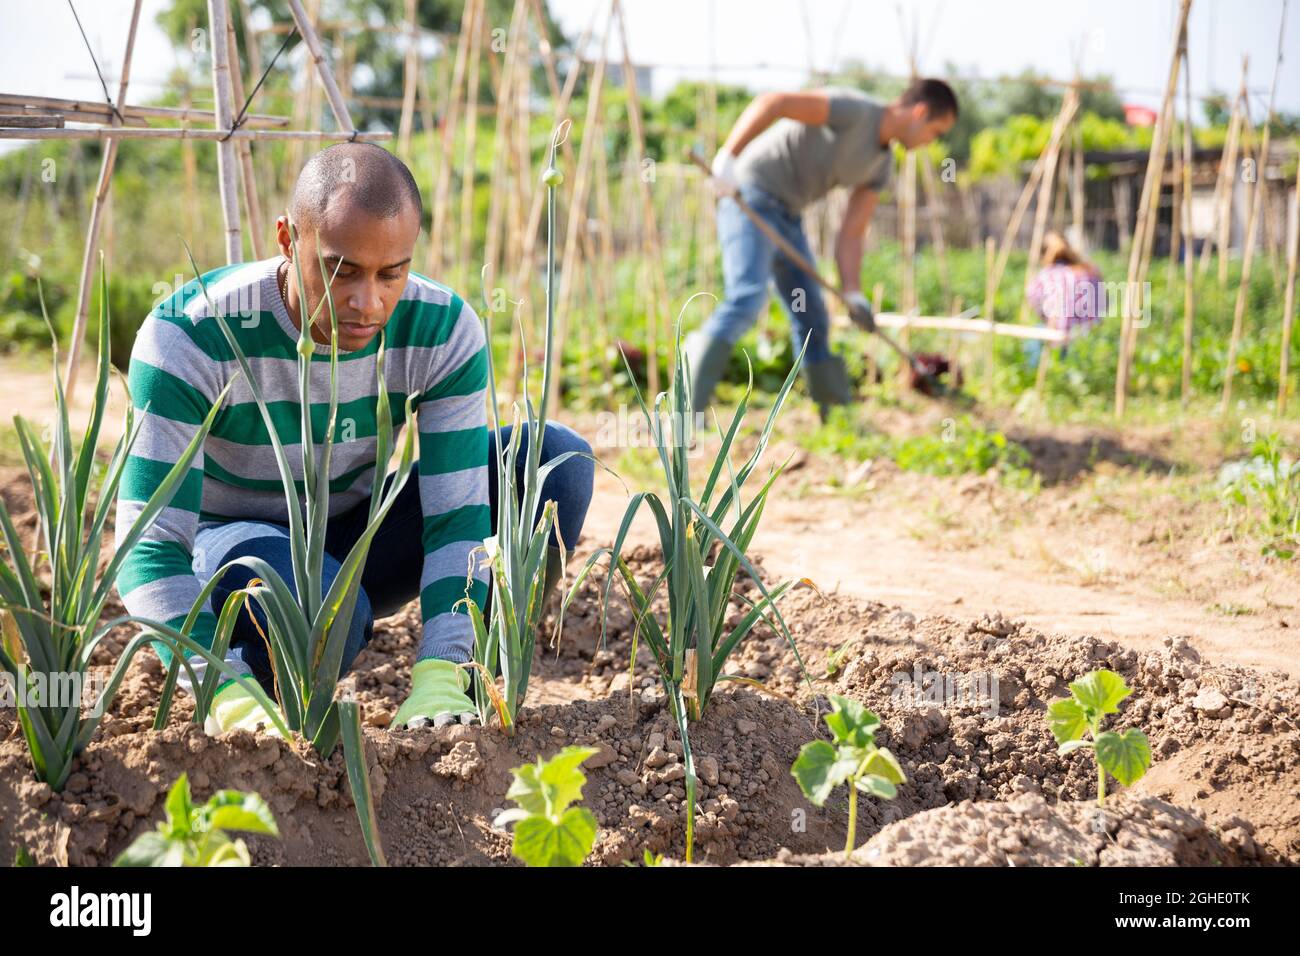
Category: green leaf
[179,808]
[1100,691]
[874,786]
[1125,756]
[541,842]
[851,723]
[148,849]
[820,768]
[233,810]
[561,779]
[882,763]
[546,788]
[1067,719]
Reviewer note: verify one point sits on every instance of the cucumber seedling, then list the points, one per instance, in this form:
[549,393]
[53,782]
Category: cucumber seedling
[549,831]
[1125,756]
[850,757]
[196,836]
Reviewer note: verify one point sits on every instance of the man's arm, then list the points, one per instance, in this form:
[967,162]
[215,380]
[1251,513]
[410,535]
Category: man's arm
[810,107]
[453,475]
[852,235]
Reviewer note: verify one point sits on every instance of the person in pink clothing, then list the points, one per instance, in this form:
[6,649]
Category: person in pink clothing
[1067,294]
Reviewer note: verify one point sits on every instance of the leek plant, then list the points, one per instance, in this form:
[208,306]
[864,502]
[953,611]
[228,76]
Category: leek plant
[701,559]
[306,633]
[515,555]
[50,622]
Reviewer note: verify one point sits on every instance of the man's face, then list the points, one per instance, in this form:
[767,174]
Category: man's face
[921,130]
[369,259]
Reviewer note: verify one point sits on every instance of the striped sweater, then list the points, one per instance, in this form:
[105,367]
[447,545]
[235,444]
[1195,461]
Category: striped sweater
[434,353]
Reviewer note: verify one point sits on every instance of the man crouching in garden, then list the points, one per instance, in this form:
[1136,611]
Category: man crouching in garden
[359,206]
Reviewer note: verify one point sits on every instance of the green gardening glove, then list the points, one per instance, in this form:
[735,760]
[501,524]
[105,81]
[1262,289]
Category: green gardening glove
[437,694]
[234,708]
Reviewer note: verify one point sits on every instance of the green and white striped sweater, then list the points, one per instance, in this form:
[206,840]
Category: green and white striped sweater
[434,352]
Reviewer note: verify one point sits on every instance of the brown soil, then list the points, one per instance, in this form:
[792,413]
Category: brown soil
[1230,761]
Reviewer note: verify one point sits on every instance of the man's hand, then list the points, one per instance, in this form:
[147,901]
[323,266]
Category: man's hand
[860,311]
[724,183]
[234,708]
[437,694]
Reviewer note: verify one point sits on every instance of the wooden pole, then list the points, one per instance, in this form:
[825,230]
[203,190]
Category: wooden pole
[1189,273]
[1150,196]
[504,131]
[442,194]
[1288,307]
[468,163]
[410,80]
[218,17]
[1047,181]
[332,94]
[649,228]
[244,150]
[577,216]
[990,296]
[1225,183]
[1252,225]
[96,218]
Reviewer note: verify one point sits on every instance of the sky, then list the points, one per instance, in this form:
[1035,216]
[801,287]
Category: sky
[769,44]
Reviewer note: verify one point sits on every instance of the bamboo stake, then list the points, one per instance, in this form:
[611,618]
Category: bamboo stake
[84,111]
[410,74]
[219,17]
[501,151]
[1150,195]
[96,214]
[1189,274]
[1224,184]
[1288,307]
[650,230]
[1047,181]
[468,165]
[523,275]
[244,150]
[990,295]
[592,130]
[1078,194]
[337,106]
[1252,224]
[442,194]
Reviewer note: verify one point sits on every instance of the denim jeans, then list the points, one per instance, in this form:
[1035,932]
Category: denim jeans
[391,577]
[750,261]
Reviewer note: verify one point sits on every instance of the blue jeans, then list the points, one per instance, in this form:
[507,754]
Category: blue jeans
[391,576]
[750,260]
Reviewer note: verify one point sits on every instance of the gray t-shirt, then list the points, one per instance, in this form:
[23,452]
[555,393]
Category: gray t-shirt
[798,164]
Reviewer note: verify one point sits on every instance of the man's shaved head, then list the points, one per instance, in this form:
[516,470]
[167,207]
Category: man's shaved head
[361,175]
[353,223]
